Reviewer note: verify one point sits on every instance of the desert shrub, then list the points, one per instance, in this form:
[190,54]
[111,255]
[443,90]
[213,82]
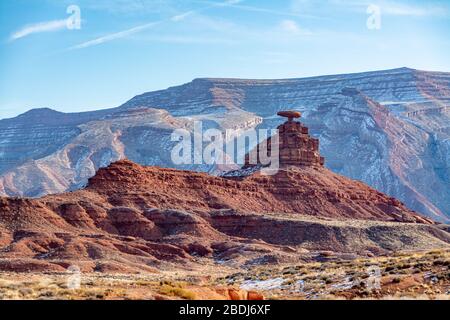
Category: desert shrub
[289,282]
[440,262]
[403,266]
[396,280]
[177,292]
[289,271]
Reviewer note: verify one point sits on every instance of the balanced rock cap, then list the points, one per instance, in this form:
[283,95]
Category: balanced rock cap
[291,115]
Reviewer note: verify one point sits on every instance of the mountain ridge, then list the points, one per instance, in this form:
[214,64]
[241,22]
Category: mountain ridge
[237,79]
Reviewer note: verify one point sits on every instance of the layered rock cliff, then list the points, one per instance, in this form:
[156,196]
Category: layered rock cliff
[389,129]
[142,219]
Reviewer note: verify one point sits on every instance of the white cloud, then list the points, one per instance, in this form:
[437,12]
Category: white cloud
[126,33]
[114,36]
[127,7]
[290,26]
[47,26]
[286,26]
[182,16]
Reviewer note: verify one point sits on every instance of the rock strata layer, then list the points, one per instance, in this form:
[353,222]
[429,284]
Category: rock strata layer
[132,218]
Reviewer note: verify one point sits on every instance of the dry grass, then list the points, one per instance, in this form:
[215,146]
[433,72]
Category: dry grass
[407,275]
[176,290]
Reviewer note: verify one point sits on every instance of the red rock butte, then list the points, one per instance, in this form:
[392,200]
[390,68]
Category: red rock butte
[296,147]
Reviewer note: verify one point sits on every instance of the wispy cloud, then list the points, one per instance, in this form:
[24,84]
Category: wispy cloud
[114,36]
[175,39]
[290,26]
[47,26]
[238,5]
[124,7]
[397,8]
[182,16]
[129,32]
[214,30]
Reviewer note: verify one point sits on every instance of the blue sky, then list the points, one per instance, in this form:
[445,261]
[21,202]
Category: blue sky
[127,47]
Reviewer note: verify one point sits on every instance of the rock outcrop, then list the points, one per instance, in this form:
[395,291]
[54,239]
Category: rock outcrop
[295,146]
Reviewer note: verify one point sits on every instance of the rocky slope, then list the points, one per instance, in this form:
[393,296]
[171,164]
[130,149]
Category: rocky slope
[132,218]
[389,129]
[304,190]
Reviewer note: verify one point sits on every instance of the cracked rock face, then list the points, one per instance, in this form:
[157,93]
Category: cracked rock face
[389,129]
